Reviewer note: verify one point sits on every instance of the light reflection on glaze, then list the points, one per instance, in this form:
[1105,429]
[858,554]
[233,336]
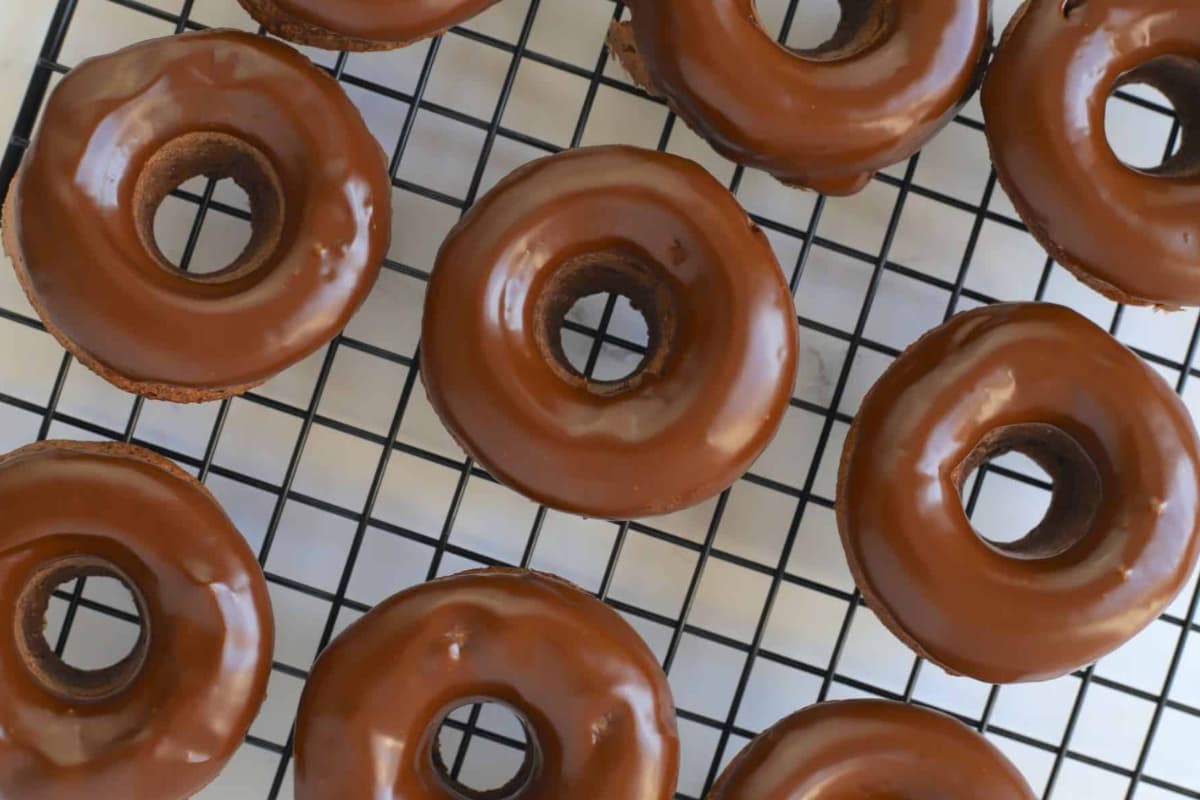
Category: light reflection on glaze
[591,692]
[827,125]
[172,731]
[866,749]
[674,440]
[1130,233]
[965,605]
[99,286]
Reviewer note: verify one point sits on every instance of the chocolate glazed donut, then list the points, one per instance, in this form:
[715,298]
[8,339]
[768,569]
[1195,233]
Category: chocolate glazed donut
[593,700]
[717,376]
[120,132]
[1119,539]
[870,748]
[162,722]
[891,77]
[361,24]
[1131,234]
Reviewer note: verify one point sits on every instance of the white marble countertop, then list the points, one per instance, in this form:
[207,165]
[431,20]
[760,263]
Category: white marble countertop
[22,28]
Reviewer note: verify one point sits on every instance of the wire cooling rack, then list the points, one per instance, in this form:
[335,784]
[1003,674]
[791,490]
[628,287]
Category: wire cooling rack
[340,476]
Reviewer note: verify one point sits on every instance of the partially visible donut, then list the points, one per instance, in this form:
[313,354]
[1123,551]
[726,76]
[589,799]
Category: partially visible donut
[870,748]
[122,130]
[162,722]
[361,24]
[1122,532]
[720,365]
[595,705]
[1131,234]
[892,76]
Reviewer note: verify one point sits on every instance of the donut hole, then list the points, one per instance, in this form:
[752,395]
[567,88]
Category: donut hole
[833,30]
[220,157]
[482,752]
[814,22]
[608,346]
[1166,81]
[92,676]
[1054,522]
[217,243]
[627,355]
[1012,500]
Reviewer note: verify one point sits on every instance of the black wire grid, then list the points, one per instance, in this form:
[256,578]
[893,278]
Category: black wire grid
[721,732]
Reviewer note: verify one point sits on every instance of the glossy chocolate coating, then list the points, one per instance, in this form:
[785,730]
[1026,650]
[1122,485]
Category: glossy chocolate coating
[717,380]
[1042,606]
[206,621]
[593,699]
[1133,234]
[387,22]
[870,749]
[892,76]
[121,306]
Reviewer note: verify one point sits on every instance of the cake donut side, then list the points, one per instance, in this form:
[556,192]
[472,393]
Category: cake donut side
[720,363]
[1132,234]
[828,118]
[1120,537]
[870,748]
[162,722]
[593,700]
[120,132]
[361,25]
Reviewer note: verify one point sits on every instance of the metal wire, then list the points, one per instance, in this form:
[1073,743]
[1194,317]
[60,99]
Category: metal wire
[706,551]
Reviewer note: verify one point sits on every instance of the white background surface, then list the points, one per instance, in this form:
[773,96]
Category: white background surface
[659,559]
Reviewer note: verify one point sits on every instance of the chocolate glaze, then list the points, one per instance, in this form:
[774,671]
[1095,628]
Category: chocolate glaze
[593,699]
[362,24]
[162,723]
[1132,234]
[1120,538]
[221,103]
[891,77]
[722,358]
[870,748]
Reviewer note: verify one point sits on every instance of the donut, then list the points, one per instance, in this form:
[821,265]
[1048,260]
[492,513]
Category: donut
[1131,234]
[893,74]
[870,748]
[162,722]
[121,131]
[361,24]
[594,703]
[1118,541]
[720,364]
